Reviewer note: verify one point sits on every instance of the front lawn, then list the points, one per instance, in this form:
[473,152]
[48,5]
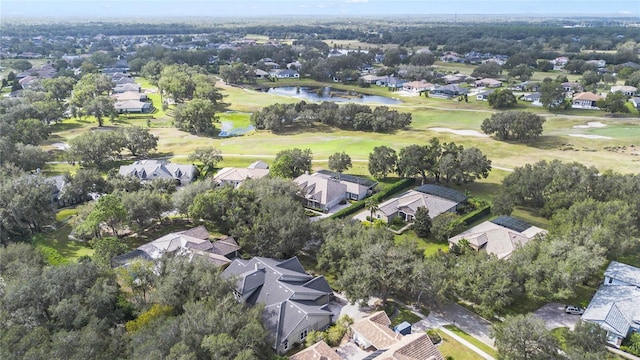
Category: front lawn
[477,343]
[399,314]
[449,347]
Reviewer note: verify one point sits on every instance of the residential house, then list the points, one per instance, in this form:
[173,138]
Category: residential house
[616,304]
[586,100]
[130,95]
[489,82]
[133,106]
[295,302]
[559,62]
[417,86]
[571,87]
[484,95]
[636,102]
[236,176]
[193,243]
[286,74]
[321,191]
[374,333]
[317,351]
[437,199]
[261,74]
[120,88]
[627,90]
[371,79]
[390,81]
[455,78]
[358,187]
[448,91]
[598,63]
[147,170]
[294,65]
[533,98]
[630,64]
[499,237]
[60,181]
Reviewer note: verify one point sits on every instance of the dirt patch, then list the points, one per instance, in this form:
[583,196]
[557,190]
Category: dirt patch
[459,132]
[60,146]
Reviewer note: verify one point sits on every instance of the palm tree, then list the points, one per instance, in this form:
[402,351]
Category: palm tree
[372,205]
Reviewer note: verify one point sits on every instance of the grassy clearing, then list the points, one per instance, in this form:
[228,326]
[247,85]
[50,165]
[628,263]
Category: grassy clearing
[582,297]
[69,249]
[477,343]
[449,347]
[399,314]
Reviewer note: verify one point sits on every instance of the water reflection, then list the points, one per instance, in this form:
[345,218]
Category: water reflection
[330,94]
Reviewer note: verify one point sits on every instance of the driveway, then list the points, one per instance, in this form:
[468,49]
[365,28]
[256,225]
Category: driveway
[554,316]
[465,320]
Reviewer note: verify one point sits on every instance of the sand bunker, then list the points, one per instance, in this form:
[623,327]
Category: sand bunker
[61,146]
[586,136]
[591,124]
[460,132]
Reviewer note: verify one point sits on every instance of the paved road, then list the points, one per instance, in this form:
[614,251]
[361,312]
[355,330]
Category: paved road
[554,316]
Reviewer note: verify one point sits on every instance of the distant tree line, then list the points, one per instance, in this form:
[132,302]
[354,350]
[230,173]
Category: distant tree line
[279,117]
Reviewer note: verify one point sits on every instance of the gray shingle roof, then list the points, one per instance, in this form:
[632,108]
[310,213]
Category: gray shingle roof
[623,272]
[443,192]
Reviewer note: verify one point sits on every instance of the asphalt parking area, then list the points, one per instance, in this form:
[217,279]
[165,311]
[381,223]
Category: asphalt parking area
[554,316]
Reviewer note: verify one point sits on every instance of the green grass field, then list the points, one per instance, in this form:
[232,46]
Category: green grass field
[451,347]
[477,343]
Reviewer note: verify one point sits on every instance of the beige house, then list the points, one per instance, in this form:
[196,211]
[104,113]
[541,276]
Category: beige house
[236,176]
[374,333]
[627,90]
[317,351]
[437,199]
[321,191]
[586,100]
[499,237]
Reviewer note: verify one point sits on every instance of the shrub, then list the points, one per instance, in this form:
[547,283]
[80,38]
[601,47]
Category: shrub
[434,336]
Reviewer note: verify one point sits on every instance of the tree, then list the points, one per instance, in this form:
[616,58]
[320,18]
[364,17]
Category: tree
[107,248]
[587,341]
[382,161]
[501,99]
[196,116]
[29,132]
[83,183]
[96,148]
[524,337]
[422,59]
[520,125]
[108,211]
[21,65]
[89,87]
[522,72]
[614,102]
[422,222]
[139,141]
[339,162]
[291,163]
[208,156]
[371,204]
[101,107]
[234,73]
[551,94]
[25,205]
[184,197]
[445,225]
[487,70]
[59,88]
[205,89]
[415,160]
[177,81]
[545,65]
[144,206]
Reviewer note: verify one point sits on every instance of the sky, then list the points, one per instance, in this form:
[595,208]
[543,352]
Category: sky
[86,9]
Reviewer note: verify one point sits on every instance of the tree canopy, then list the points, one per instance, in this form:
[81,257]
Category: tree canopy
[519,125]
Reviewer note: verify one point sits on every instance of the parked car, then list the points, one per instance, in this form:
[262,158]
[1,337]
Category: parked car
[573,310]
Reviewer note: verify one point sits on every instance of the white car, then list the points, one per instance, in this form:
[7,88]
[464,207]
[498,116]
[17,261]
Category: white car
[574,310]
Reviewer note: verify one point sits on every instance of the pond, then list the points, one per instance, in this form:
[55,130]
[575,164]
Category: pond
[330,94]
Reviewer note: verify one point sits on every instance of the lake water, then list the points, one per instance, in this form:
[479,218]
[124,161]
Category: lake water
[310,93]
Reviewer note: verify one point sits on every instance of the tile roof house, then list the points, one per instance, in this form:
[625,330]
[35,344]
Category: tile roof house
[448,91]
[190,243]
[120,88]
[236,176]
[373,332]
[133,106]
[130,95]
[295,302]
[321,191]
[417,86]
[358,187]
[147,170]
[571,87]
[586,100]
[499,237]
[484,95]
[437,199]
[627,90]
[317,351]
[488,82]
[616,304]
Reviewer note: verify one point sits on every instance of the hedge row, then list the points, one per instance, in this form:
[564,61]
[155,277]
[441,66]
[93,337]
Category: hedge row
[476,214]
[385,193]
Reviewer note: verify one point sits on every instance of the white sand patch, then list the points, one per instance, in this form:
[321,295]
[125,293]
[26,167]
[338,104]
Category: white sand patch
[459,132]
[591,124]
[586,136]
[61,146]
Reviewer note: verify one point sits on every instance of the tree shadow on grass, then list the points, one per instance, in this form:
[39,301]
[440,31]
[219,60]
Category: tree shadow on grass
[301,129]
[546,142]
[62,126]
